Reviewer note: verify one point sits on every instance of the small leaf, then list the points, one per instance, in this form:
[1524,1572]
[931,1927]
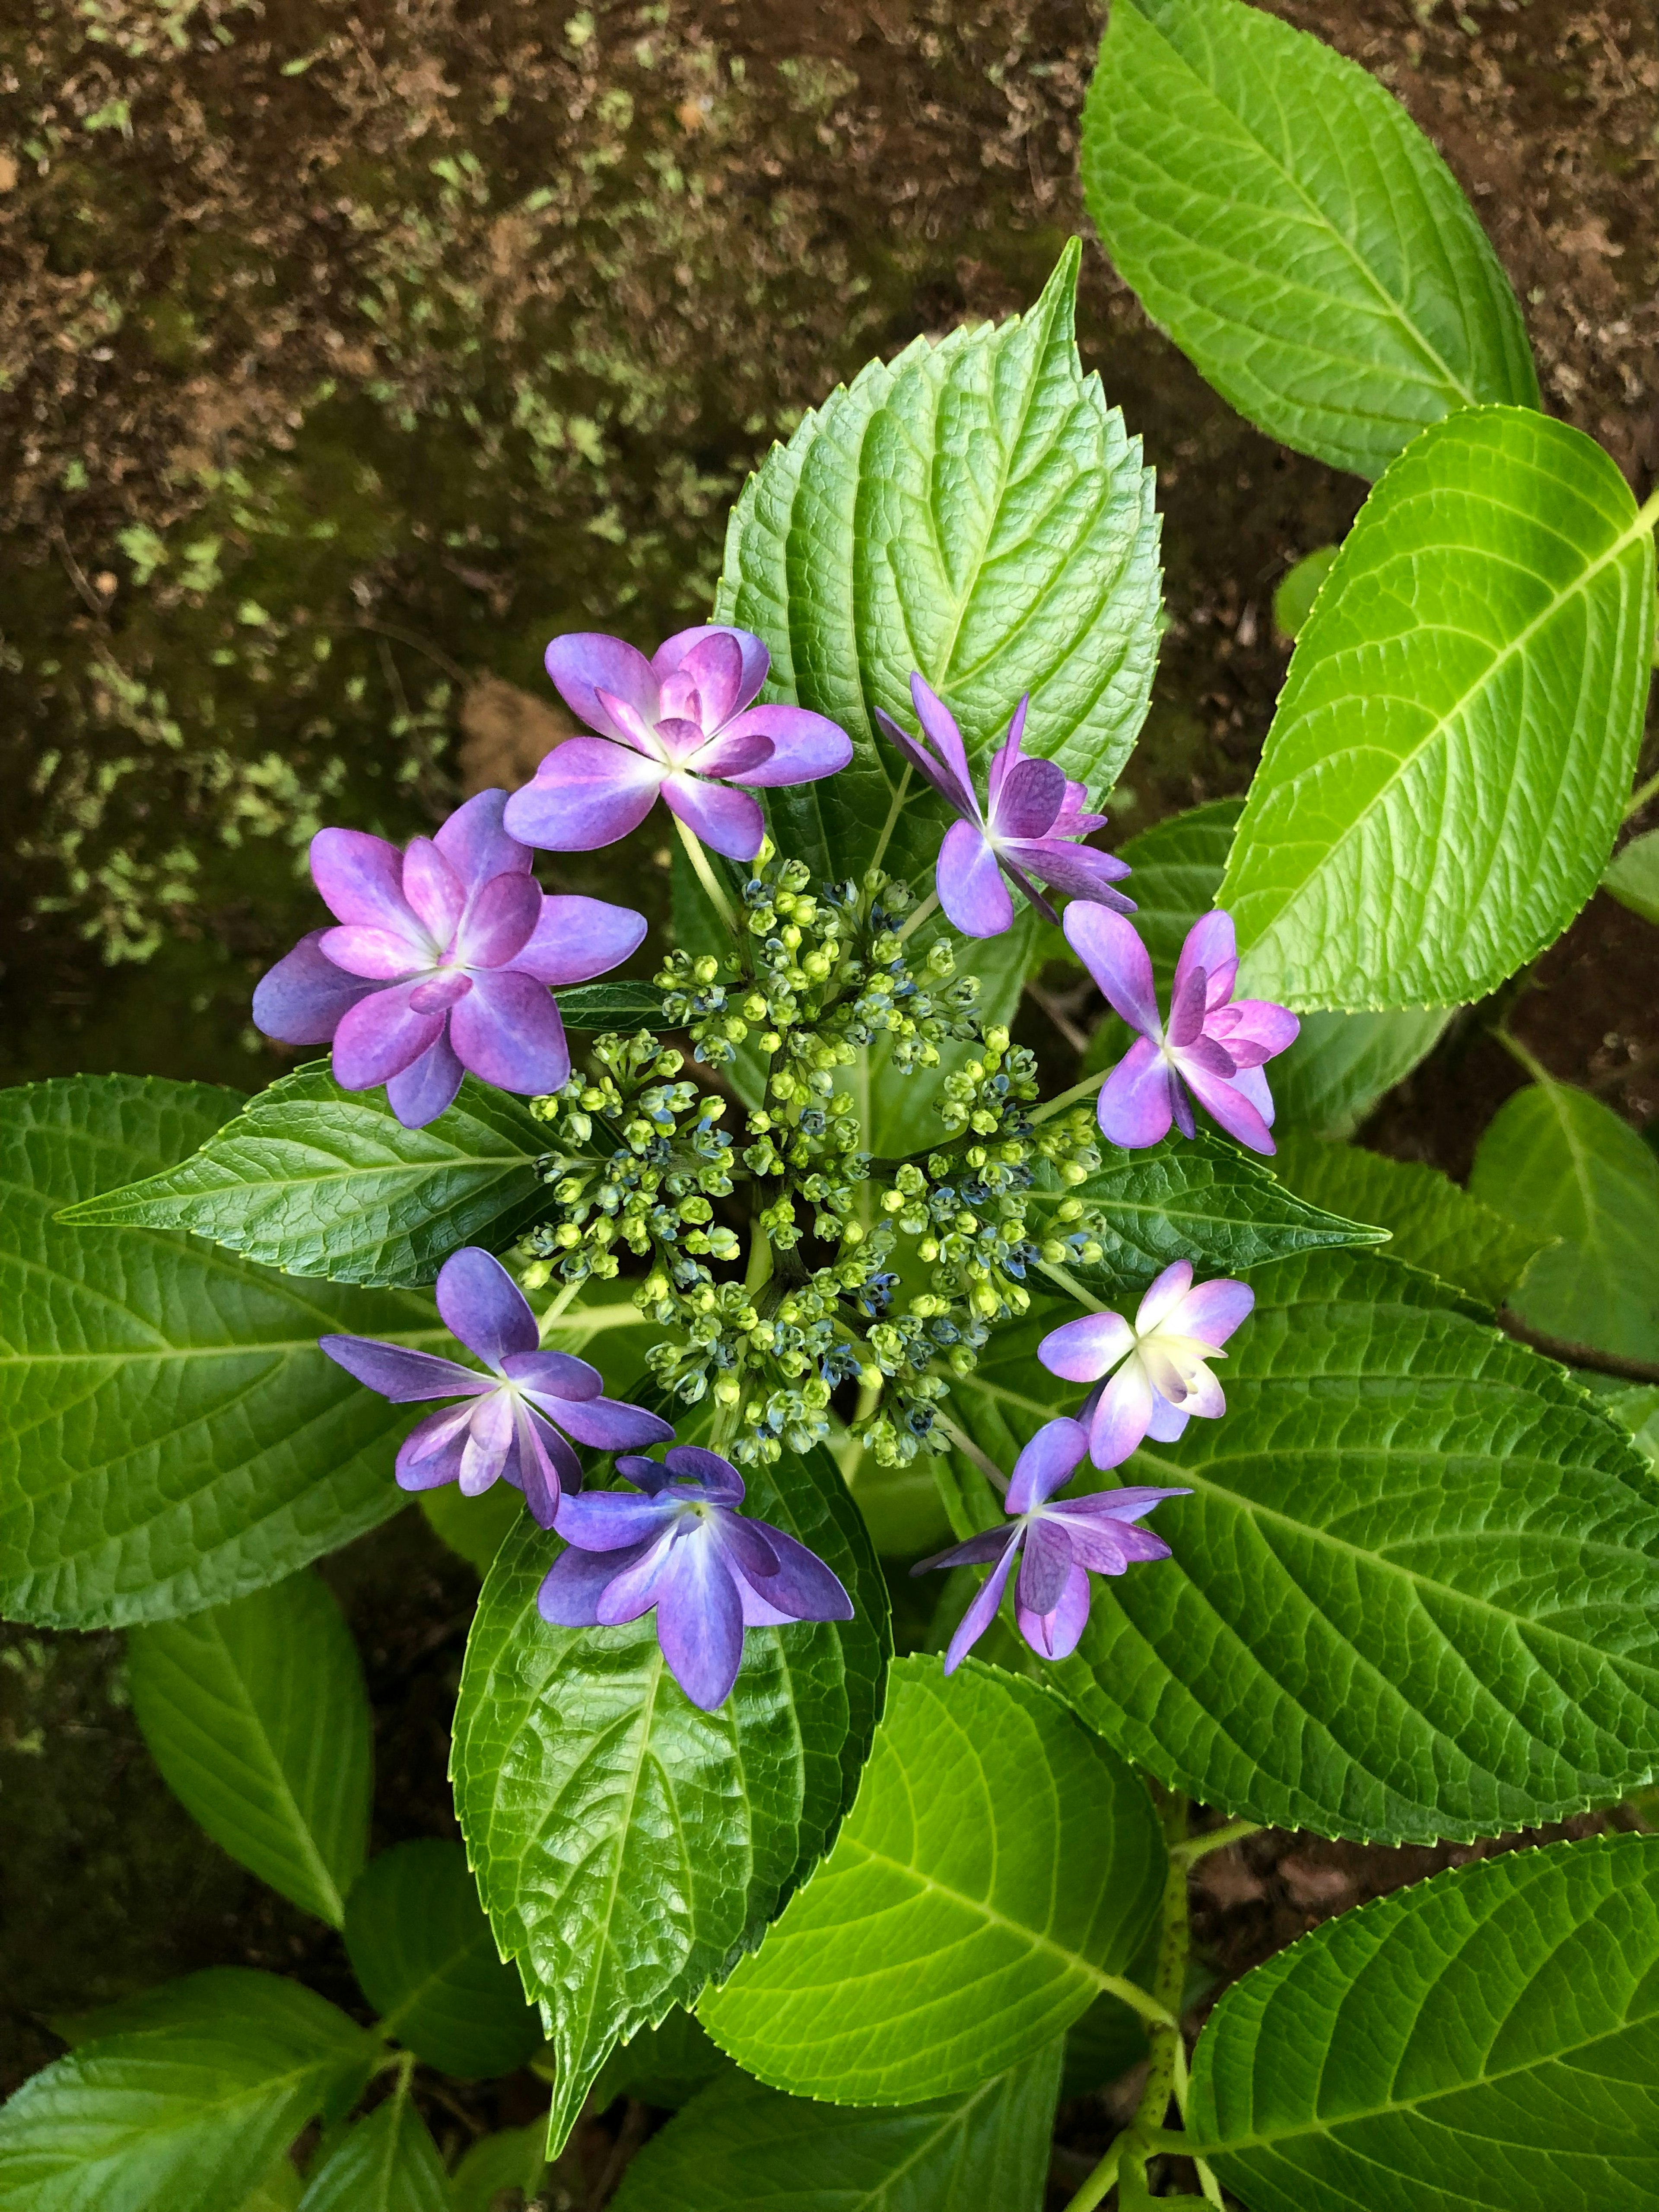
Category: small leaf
[386,2163]
[742,2144]
[1282,218]
[664,2065]
[621,1006]
[999,1866]
[1483,2041]
[1342,1066]
[1433,1224]
[257,1715]
[421,1946]
[318,1181]
[516,2158]
[628,1847]
[1635,1408]
[1632,876]
[1296,589]
[1455,740]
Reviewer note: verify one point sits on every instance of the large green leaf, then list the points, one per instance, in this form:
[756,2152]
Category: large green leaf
[421,1946]
[318,1181]
[1632,876]
[257,1715]
[1283,218]
[192,2107]
[1340,1065]
[1432,1223]
[173,1436]
[1455,739]
[1563,1165]
[1486,2041]
[973,510]
[1000,1868]
[742,2144]
[628,1846]
[1414,1592]
[386,2163]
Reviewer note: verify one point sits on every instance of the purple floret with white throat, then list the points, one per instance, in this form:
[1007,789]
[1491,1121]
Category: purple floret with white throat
[1159,1377]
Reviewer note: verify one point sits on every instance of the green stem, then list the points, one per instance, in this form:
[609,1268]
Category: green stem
[760,1264]
[925,912]
[1640,796]
[1087,1089]
[1198,1847]
[1070,1284]
[1517,1051]
[707,878]
[1095,2188]
[891,824]
[965,1444]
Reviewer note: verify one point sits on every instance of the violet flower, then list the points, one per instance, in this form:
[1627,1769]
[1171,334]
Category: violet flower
[1058,1546]
[442,961]
[679,725]
[683,1547]
[1214,1044]
[1031,817]
[510,1420]
[1161,1378]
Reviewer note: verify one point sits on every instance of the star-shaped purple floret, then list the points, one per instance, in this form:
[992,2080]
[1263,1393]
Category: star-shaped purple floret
[1158,1370]
[677,1542]
[1057,1544]
[1028,827]
[680,727]
[513,1420]
[443,961]
[1214,1045]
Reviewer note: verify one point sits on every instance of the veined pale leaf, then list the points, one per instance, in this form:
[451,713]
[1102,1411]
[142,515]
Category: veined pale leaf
[999,1866]
[742,2144]
[1563,1165]
[386,2163]
[257,1715]
[420,1948]
[1296,589]
[1279,214]
[627,1005]
[1341,1064]
[1455,739]
[973,510]
[1414,1591]
[318,1181]
[173,1438]
[629,1847]
[1632,876]
[1485,2041]
[1636,1407]
[1432,1223]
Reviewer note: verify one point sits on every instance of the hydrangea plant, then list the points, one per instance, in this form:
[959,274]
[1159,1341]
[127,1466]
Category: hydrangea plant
[795,1238]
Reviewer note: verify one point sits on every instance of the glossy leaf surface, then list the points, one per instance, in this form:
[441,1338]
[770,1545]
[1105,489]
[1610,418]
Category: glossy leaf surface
[386,2163]
[1341,1064]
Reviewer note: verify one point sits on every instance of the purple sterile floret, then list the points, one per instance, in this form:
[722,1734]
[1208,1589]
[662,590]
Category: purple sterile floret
[1214,1045]
[677,1542]
[443,960]
[1057,1544]
[1028,826]
[512,1421]
[682,727]
[1161,1378]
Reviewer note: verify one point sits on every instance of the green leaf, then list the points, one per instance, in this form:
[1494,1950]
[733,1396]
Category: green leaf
[472,1528]
[742,2144]
[1282,218]
[999,1866]
[1341,1064]
[1455,740]
[1434,1225]
[257,1715]
[173,1438]
[192,2108]
[621,1006]
[1636,1407]
[421,1946]
[1198,1199]
[1296,589]
[1485,2041]
[280,2191]
[318,1181]
[973,510]
[1563,1165]
[1415,1592]
[1632,876]
[386,2163]
[628,1847]
[516,2158]
[664,2065]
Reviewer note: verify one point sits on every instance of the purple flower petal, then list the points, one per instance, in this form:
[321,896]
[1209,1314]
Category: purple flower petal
[476,844]
[558,1375]
[803,1588]
[387,955]
[1008,757]
[489,1439]
[731,755]
[970,886]
[507,1030]
[1045,1565]
[745,1545]
[1079,870]
[715,664]
[1139,1098]
[583,663]
[932,770]
[1187,1008]
[1211,1311]
[671,653]
[427,1087]
[725,819]
[700,1622]
[402,1374]
[541,1465]
[940,725]
[571,1590]
[974,1552]
[303,997]
[1081,1351]
[1053,1452]
[635,1589]
[380,1036]
[484,1307]
[611,1520]
[1168,1424]
[1118,960]
[501,919]
[434,888]
[1254,1029]
[361,878]
[1224,1101]
[1211,945]
[577,939]
[1161,1295]
[650,1474]
[1055,1634]
[1252,1085]
[430,1455]
[983,1610]
[436,995]
[805,746]
[721,1483]
[1121,1417]
[587,792]
[1124,1504]
[1031,795]
[608,1424]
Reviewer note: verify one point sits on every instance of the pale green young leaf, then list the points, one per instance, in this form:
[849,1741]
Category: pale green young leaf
[628,1847]
[1279,214]
[170,1436]
[1564,1166]
[625,1004]
[514,2158]
[1632,876]
[318,1181]
[1636,1407]
[257,1715]
[741,2143]
[280,2191]
[973,511]
[1485,2041]
[1296,589]
[1432,1224]
[1342,1066]
[420,1948]
[664,2065]
[386,2163]
[998,1868]
[1455,742]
